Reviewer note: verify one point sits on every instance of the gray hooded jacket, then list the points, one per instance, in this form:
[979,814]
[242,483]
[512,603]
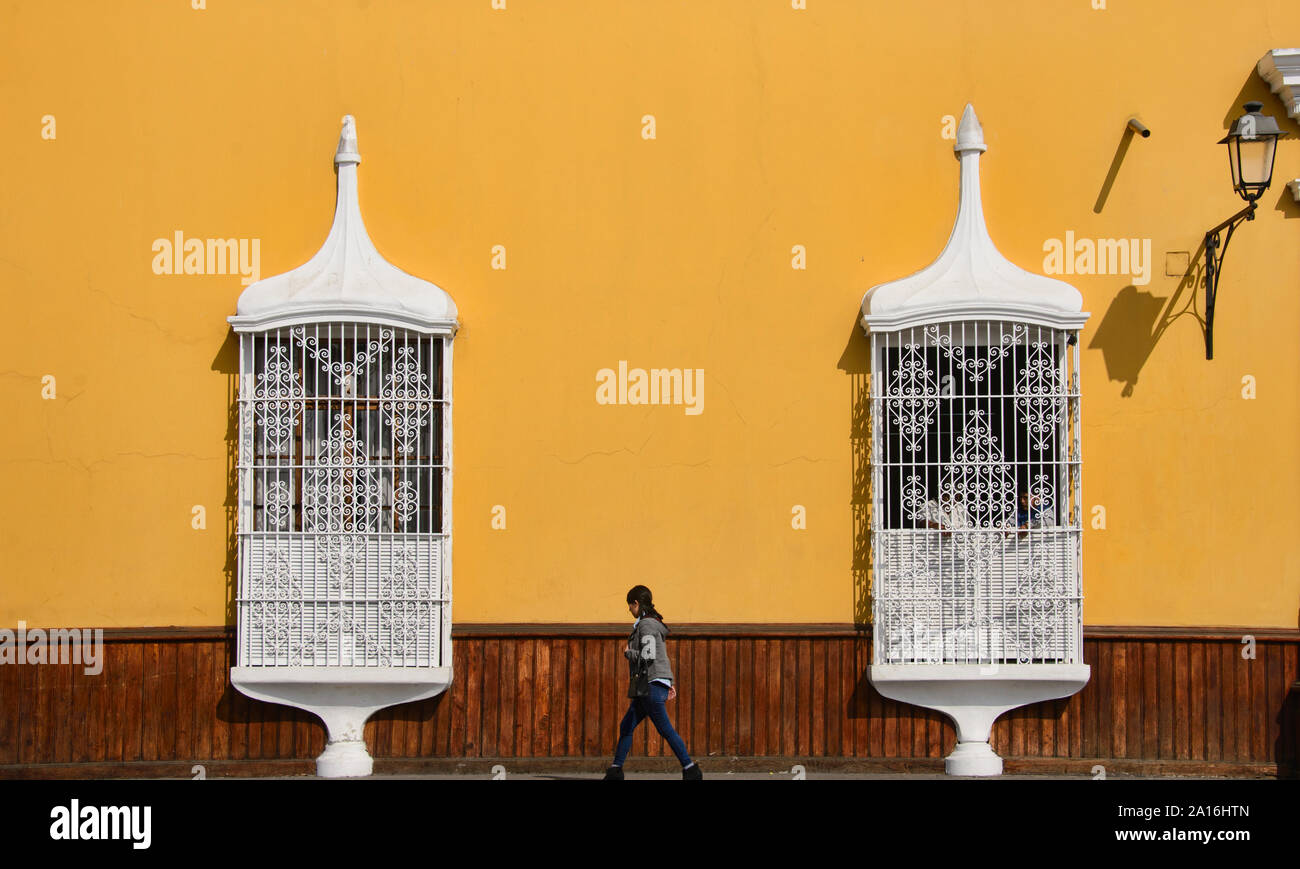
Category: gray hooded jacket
[646,645]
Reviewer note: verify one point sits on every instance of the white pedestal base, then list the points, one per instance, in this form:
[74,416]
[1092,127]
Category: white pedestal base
[973,696]
[344,698]
[345,760]
[973,758]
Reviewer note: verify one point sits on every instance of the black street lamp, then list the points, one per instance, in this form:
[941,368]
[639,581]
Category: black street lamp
[1252,144]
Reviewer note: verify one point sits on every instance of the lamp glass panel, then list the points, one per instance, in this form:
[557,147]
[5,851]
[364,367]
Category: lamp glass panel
[1255,158]
[1234,161]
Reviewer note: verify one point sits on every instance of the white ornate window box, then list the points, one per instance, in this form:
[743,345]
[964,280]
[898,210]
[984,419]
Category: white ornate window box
[344,520]
[976,465]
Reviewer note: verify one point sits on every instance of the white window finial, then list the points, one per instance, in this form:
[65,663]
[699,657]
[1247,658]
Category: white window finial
[347,152]
[970,135]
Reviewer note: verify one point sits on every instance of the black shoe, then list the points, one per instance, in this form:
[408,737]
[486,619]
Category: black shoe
[692,773]
[614,773]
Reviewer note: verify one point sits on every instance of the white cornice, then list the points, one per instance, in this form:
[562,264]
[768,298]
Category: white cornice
[1281,69]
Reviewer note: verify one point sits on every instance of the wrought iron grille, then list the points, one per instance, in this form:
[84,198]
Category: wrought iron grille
[976,544]
[341,492]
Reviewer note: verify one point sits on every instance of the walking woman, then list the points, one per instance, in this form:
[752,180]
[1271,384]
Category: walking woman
[651,685]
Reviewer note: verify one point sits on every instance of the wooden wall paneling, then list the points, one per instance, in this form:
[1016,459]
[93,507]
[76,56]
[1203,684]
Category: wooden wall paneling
[1156,695]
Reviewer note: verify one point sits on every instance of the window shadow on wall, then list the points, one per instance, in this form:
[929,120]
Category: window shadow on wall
[855,361]
[1286,203]
[227,362]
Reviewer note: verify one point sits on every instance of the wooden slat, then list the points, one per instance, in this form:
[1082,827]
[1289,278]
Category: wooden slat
[1130,685]
[612,691]
[1196,701]
[155,708]
[508,697]
[869,728]
[789,697]
[715,739]
[817,701]
[1092,731]
[1150,686]
[1244,668]
[219,678]
[61,710]
[385,730]
[11,698]
[1260,748]
[848,694]
[541,699]
[758,698]
[1182,703]
[523,681]
[472,680]
[730,684]
[557,694]
[1229,675]
[1112,661]
[834,712]
[592,735]
[204,704]
[1274,687]
[775,711]
[181,696]
[577,698]
[491,702]
[745,698]
[680,709]
[1213,703]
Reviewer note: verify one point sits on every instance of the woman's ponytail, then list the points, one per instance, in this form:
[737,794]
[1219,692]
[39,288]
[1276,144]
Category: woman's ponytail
[641,595]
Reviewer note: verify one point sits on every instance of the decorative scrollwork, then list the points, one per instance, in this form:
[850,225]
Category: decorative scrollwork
[340,553]
[407,400]
[976,366]
[1038,396]
[279,506]
[407,501]
[278,399]
[1040,607]
[1042,500]
[344,373]
[275,605]
[913,396]
[341,492]
[977,479]
[403,580]
[405,622]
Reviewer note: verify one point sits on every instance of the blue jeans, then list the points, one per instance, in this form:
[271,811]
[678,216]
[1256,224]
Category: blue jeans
[652,706]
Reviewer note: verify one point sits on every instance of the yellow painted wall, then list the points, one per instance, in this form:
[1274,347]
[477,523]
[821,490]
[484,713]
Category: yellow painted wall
[522,127]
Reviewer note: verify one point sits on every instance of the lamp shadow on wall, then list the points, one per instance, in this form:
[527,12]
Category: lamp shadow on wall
[1136,321]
